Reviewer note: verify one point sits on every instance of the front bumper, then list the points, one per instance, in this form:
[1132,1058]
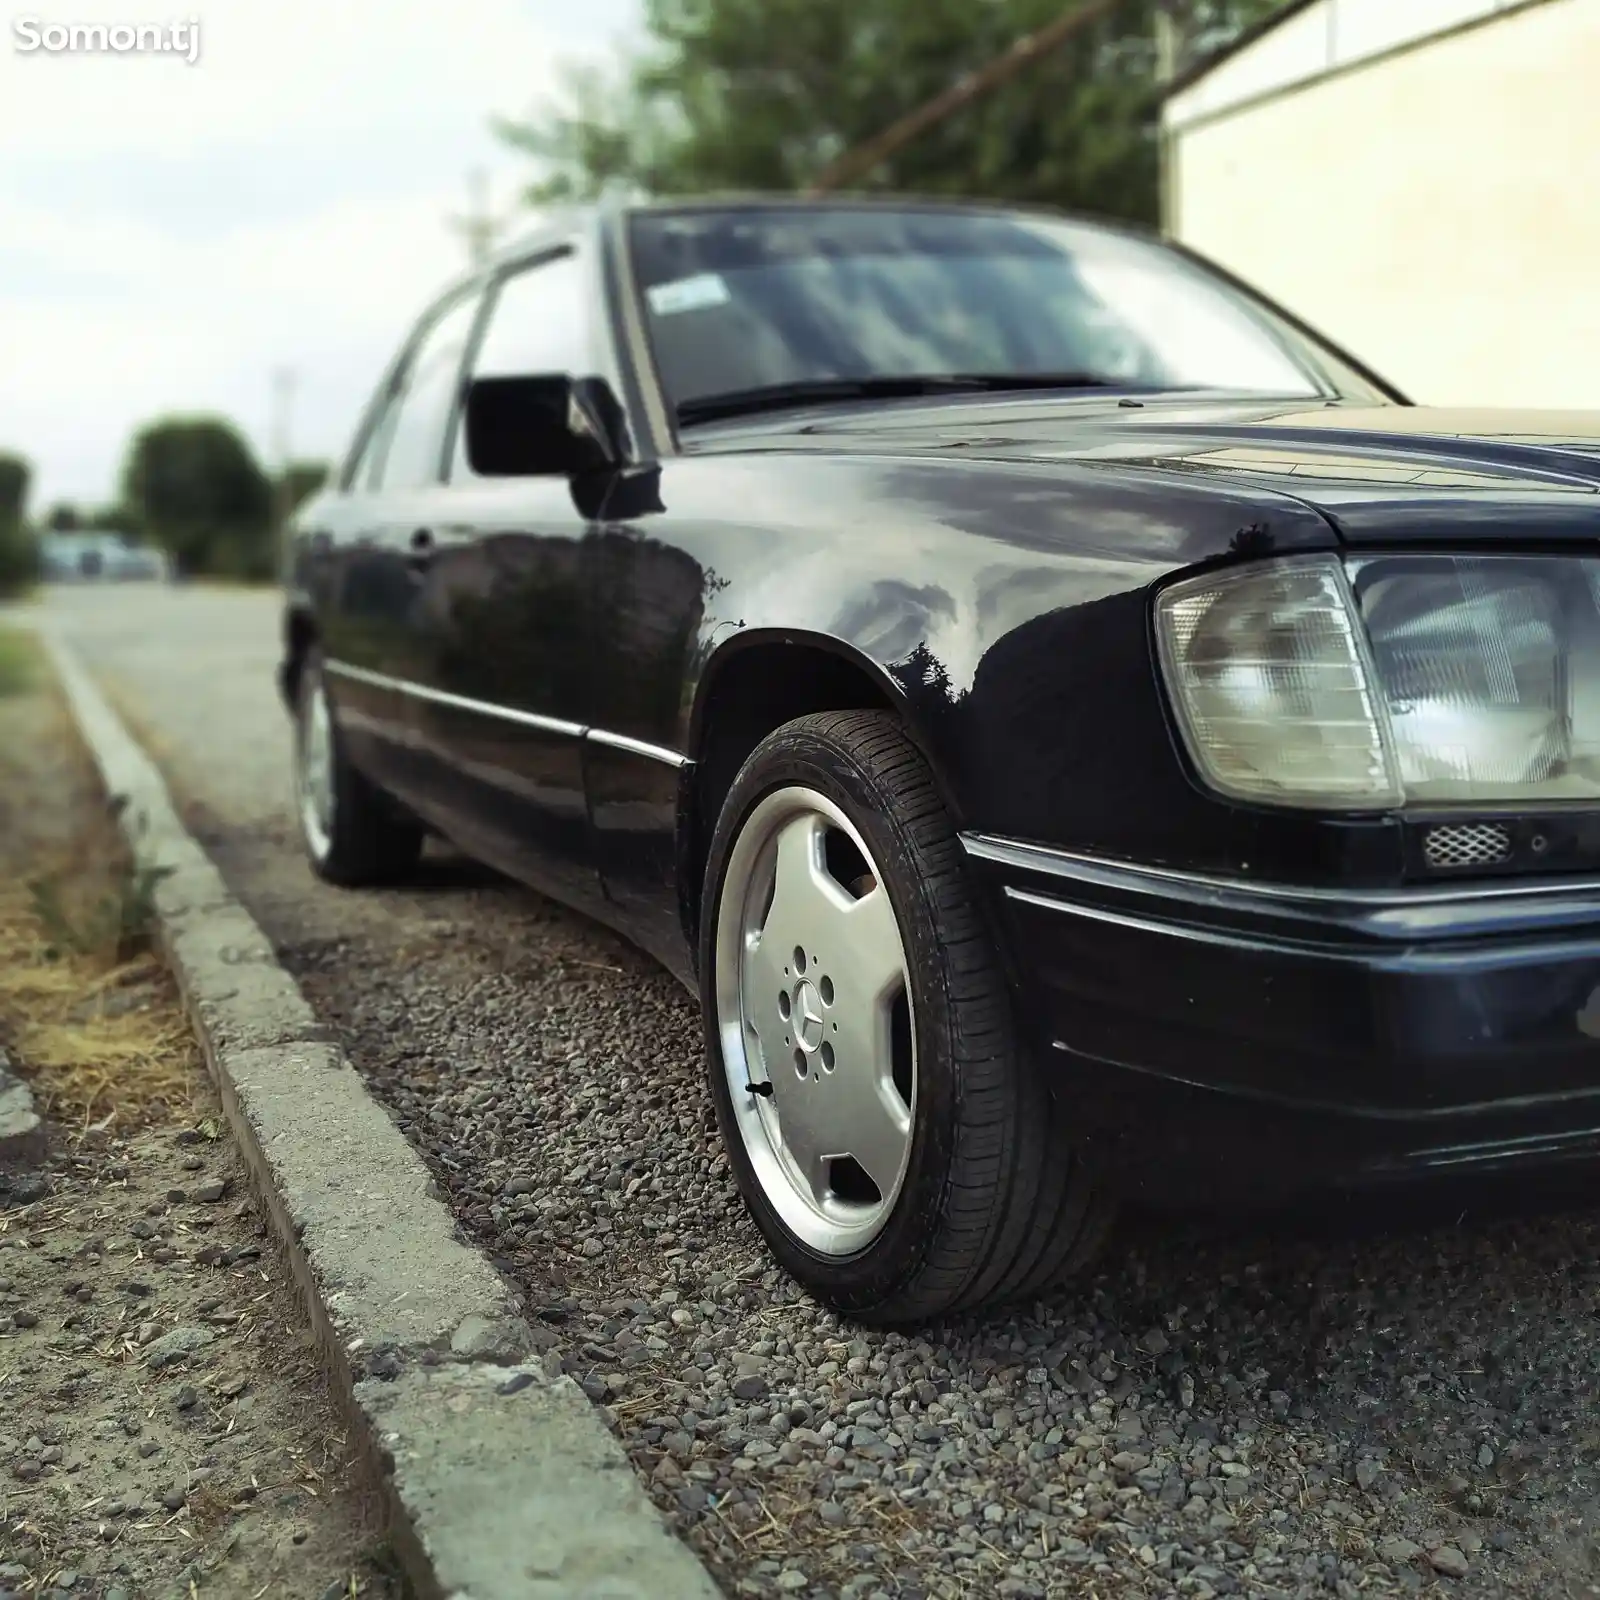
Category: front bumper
[1244,1042]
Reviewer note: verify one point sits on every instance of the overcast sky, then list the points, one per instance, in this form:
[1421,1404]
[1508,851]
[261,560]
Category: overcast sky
[172,234]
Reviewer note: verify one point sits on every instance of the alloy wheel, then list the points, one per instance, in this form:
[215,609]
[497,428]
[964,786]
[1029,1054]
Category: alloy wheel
[814,1014]
[317,797]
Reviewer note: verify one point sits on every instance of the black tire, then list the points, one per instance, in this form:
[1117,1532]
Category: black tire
[367,841]
[995,1205]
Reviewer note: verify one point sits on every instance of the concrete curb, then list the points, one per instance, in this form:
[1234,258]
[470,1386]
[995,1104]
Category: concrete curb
[502,1482]
[22,1135]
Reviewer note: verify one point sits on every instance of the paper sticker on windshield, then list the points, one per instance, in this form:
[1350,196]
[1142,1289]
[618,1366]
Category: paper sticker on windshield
[688,294]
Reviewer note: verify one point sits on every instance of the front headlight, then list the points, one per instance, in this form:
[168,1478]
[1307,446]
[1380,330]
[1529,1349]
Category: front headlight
[1390,680]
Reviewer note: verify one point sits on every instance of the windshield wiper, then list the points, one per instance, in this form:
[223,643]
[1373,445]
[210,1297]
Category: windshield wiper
[810,391]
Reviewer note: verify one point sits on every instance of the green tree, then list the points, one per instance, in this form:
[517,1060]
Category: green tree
[762,94]
[64,518]
[15,474]
[198,492]
[19,550]
[111,519]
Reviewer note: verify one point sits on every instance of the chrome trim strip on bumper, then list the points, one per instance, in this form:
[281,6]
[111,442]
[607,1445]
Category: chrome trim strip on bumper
[1212,938]
[1397,957]
[1134,877]
[525,719]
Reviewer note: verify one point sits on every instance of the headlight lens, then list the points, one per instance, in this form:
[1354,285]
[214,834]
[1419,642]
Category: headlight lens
[1472,659]
[1272,689]
[1397,679]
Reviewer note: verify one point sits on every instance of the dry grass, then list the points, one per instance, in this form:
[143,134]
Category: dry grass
[86,1008]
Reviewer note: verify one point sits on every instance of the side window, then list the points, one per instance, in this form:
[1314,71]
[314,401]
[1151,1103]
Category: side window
[370,445]
[369,470]
[538,323]
[409,437]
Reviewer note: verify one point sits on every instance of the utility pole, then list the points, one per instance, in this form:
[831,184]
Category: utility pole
[479,227]
[1030,48]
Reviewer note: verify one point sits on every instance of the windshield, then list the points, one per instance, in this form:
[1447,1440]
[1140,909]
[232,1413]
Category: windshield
[739,300]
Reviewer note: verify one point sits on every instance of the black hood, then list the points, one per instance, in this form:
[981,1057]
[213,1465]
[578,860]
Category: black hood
[1379,474]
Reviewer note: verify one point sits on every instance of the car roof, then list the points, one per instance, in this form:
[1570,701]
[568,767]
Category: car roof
[755,200]
[564,222]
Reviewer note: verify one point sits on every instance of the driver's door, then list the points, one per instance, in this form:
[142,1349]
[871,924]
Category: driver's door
[503,619]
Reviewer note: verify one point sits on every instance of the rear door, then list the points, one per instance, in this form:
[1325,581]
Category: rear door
[504,614]
[362,593]
[407,502]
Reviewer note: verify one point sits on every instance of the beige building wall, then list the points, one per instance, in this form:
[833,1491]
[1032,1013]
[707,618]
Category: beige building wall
[1435,208]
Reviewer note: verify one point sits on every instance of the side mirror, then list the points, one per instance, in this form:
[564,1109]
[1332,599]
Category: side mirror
[549,426]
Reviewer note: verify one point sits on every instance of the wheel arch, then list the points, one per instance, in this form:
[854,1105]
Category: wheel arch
[300,634]
[752,686]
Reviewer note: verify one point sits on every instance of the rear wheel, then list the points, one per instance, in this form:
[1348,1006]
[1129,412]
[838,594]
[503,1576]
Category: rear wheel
[353,834]
[899,1153]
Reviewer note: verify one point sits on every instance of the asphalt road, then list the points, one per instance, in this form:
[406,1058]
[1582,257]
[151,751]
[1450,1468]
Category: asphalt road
[1316,1411]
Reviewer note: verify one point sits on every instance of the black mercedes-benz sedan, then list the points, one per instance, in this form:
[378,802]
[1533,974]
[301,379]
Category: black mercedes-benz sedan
[1078,733]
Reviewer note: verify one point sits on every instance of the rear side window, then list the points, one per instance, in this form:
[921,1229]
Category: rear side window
[370,452]
[408,442]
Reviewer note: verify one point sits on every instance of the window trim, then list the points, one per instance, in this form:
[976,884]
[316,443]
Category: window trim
[371,416]
[383,428]
[651,423]
[543,256]
[397,371]
[463,294]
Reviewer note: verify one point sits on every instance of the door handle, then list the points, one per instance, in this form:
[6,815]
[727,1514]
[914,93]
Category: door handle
[422,549]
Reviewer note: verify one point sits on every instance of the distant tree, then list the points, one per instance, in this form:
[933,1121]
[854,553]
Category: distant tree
[198,492]
[19,550]
[111,519]
[64,518]
[714,100]
[299,481]
[15,475]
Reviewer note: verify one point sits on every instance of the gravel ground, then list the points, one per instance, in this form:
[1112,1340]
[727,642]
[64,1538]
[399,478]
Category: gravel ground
[164,1427]
[1313,1412]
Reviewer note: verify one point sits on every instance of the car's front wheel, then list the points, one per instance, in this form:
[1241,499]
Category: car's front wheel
[901,1155]
[353,834]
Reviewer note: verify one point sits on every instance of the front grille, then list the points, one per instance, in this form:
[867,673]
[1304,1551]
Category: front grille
[1466,844]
